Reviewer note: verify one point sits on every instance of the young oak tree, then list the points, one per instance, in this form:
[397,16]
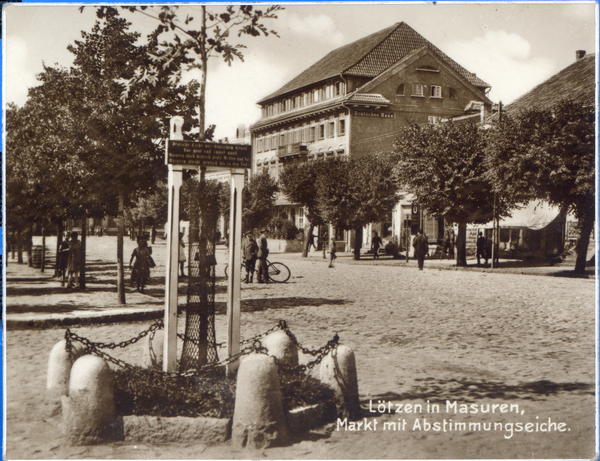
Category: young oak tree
[444,166]
[549,154]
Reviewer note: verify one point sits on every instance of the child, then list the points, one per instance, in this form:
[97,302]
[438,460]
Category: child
[332,255]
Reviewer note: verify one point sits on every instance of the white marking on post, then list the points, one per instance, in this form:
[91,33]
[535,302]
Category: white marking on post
[235,262]
[174,183]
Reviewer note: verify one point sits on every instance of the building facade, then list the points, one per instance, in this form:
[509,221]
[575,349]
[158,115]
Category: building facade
[355,100]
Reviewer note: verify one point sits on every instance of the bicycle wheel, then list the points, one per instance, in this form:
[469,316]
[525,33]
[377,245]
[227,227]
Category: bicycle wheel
[278,272]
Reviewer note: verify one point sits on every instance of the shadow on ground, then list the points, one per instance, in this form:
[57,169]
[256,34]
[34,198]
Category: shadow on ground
[467,390]
[54,290]
[257,305]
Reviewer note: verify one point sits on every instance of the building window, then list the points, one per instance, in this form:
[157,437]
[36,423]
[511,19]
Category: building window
[260,145]
[331,130]
[300,217]
[274,142]
[322,131]
[436,91]
[282,139]
[453,94]
[433,119]
[339,89]
[315,95]
[342,127]
[298,136]
[312,136]
[417,89]
[400,90]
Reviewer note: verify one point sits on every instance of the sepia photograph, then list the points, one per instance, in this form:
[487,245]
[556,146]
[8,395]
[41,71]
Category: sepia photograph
[300,230]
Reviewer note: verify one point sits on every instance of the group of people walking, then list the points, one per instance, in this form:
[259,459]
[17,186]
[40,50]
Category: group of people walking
[253,251]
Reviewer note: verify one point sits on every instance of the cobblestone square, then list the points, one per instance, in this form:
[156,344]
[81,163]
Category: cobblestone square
[459,341]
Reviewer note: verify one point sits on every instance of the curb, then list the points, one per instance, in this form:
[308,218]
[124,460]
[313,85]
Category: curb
[30,324]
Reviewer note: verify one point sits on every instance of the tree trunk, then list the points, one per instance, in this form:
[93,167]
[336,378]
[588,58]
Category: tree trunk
[29,246]
[120,234]
[308,236]
[461,245]
[358,237]
[20,247]
[59,239]
[43,262]
[585,230]
[84,232]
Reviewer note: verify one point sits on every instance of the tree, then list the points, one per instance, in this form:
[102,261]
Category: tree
[298,182]
[549,154]
[353,193]
[92,146]
[258,201]
[443,166]
[191,48]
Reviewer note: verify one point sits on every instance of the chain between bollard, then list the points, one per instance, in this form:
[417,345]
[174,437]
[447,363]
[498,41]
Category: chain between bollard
[255,347]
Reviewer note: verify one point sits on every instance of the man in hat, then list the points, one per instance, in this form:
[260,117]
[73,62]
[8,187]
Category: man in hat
[481,248]
[263,252]
[421,246]
[250,249]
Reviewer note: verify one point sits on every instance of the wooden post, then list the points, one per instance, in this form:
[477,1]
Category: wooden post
[235,262]
[175,180]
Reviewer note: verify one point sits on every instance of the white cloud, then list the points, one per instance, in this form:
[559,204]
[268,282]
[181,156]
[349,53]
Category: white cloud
[504,61]
[315,26]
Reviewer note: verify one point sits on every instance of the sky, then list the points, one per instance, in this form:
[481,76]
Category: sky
[511,46]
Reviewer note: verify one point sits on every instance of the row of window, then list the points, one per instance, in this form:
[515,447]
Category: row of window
[420,90]
[305,99]
[306,134]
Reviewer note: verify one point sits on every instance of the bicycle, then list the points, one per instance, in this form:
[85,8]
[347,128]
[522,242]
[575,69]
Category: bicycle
[277,272]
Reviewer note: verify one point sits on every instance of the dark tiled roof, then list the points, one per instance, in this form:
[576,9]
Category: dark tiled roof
[368,57]
[576,82]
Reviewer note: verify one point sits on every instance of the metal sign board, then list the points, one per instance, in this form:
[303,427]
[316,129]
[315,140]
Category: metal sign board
[214,154]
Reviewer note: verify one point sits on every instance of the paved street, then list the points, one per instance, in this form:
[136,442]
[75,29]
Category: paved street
[419,337]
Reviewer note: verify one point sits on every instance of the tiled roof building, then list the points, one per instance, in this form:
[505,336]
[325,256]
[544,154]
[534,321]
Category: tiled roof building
[576,82]
[356,99]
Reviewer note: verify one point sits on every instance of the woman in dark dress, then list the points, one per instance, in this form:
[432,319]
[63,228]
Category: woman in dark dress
[141,268]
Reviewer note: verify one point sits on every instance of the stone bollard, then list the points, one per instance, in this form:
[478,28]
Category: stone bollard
[258,420]
[153,350]
[281,346]
[89,411]
[59,372]
[338,371]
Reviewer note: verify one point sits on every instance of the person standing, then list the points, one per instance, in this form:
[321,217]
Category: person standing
[449,241]
[141,268]
[250,252]
[332,252]
[63,259]
[74,263]
[263,252]
[182,258]
[420,245]
[481,248]
[375,244]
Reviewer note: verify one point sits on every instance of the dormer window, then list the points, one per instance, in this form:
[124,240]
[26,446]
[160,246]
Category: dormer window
[417,90]
[436,91]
